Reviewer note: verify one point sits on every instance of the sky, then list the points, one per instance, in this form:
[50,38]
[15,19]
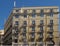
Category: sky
[6,7]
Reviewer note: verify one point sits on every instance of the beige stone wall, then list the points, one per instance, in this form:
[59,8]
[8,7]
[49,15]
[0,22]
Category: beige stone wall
[37,19]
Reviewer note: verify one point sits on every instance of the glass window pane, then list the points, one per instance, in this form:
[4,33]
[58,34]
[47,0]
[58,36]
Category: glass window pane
[41,14]
[33,14]
[25,13]
[16,22]
[41,21]
[17,16]
[25,22]
[33,28]
[51,12]
[33,22]
[51,21]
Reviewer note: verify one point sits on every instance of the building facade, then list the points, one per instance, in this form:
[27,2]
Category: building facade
[32,26]
[1,37]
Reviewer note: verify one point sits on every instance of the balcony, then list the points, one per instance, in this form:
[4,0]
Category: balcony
[29,11]
[16,37]
[23,25]
[40,43]
[50,36]
[50,42]
[21,11]
[15,26]
[38,11]
[16,33]
[32,43]
[40,31]
[22,31]
[32,31]
[31,37]
[50,25]
[23,37]
[40,25]
[20,40]
[39,37]
[46,10]
[32,25]
[50,31]
[55,11]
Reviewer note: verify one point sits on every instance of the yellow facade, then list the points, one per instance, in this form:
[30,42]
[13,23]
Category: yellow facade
[46,18]
[42,31]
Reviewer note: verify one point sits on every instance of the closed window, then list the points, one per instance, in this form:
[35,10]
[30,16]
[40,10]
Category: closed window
[17,10]
[16,23]
[33,14]
[51,21]
[41,21]
[41,13]
[16,30]
[51,12]
[25,13]
[33,28]
[24,34]
[24,29]
[17,16]
[25,22]
[24,40]
[41,28]
[33,22]
[51,28]
[16,40]
[40,44]
[33,34]
[50,45]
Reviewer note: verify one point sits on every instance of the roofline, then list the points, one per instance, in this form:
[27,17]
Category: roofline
[34,7]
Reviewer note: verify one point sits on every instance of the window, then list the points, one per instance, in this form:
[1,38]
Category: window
[40,44]
[50,45]
[33,44]
[40,39]
[51,12]
[17,16]
[32,34]
[25,22]
[16,31]
[25,13]
[17,10]
[33,22]
[33,14]
[41,21]
[51,21]
[51,28]
[41,28]
[24,29]
[16,23]
[24,40]
[41,14]
[33,28]
[16,40]
[24,34]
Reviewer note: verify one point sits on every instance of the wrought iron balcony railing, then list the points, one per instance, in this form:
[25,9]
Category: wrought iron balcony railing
[40,25]
[32,25]
[50,25]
